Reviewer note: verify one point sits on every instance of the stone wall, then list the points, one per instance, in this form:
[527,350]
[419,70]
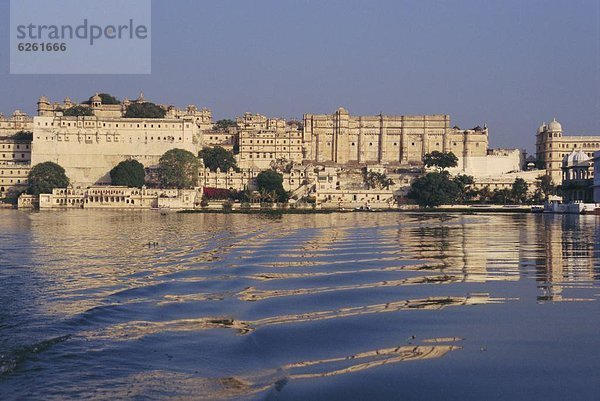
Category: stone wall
[89,147]
[493,164]
[340,138]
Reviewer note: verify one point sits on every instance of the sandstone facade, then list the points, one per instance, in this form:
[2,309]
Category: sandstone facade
[552,147]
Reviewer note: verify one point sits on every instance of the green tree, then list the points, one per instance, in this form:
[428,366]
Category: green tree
[440,160]
[23,136]
[144,110]
[434,189]
[484,194]
[218,157]
[106,99]
[270,183]
[374,179]
[502,196]
[77,111]
[465,187]
[519,190]
[282,164]
[544,187]
[178,169]
[45,176]
[223,125]
[129,173]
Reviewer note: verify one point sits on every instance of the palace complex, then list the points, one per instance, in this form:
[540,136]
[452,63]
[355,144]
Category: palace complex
[324,153]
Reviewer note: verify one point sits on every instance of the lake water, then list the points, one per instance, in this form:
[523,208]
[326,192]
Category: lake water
[357,306]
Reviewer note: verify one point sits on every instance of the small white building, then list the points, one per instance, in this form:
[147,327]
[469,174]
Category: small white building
[114,197]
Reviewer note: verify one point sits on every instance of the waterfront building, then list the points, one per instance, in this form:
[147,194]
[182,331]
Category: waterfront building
[88,147]
[297,180]
[340,138]
[498,169]
[494,163]
[26,201]
[327,186]
[506,181]
[552,147]
[115,197]
[15,158]
[577,178]
[265,140]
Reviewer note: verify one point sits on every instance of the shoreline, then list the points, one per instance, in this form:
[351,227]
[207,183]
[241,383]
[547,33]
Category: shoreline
[512,209]
[330,211]
[278,212]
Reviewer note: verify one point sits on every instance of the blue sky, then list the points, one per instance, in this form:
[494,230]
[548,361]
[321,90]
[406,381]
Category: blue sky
[510,64]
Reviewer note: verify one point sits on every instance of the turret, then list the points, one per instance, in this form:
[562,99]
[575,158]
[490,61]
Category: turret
[44,108]
[96,103]
[554,129]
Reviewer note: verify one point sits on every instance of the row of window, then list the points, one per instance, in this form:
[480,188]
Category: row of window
[11,181]
[594,145]
[396,144]
[285,149]
[13,125]
[14,156]
[264,155]
[108,138]
[11,146]
[94,199]
[271,141]
[110,125]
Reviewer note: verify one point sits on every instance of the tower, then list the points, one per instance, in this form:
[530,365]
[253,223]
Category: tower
[44,108]
[341,136]
[96,103]
[548,150]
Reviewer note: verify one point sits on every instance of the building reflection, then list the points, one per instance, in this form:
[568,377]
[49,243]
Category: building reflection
[570,257]
[561,251]
[463,247]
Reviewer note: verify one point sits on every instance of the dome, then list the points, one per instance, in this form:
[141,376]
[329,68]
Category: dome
[555,126]
[44,99]
[96,98]
[580,157]
[575,158]
[541,128]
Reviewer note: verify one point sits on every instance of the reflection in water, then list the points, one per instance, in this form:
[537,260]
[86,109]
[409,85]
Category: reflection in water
[322,288]
[572,250]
